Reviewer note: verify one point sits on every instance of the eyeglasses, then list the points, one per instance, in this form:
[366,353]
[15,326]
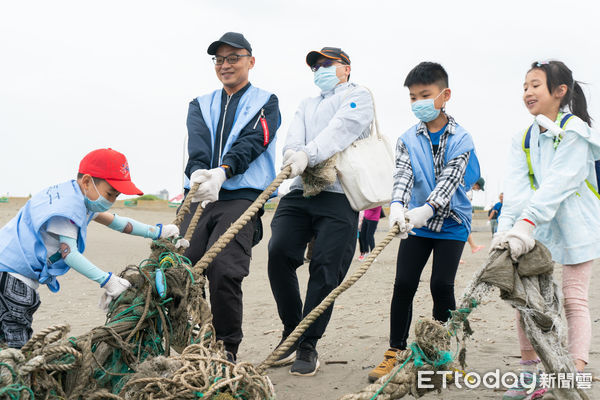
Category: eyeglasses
[324,64]
[231,59]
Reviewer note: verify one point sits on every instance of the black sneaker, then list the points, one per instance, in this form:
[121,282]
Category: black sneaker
[231,357]
[287,357]
[307,360]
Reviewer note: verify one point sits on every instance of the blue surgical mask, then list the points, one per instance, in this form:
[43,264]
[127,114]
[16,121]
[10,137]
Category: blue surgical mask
[325,78]
[425,109]
[98,205]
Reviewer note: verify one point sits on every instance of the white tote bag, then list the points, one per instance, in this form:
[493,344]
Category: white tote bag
[365,169]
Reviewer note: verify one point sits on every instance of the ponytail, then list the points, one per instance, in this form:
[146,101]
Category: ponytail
[578,104]
[557,73]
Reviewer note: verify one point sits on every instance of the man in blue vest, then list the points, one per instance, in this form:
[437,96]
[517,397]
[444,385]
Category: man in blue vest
[231,146]
[48,235]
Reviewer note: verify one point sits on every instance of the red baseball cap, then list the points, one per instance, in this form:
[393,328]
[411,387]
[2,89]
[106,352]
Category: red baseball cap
[112,166]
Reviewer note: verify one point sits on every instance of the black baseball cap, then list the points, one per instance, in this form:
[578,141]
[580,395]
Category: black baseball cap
[233,39]
[481,183]
[334,53]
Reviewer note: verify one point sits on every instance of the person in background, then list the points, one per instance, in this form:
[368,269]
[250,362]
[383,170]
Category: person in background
[494,214]
[366,238]
[479,185]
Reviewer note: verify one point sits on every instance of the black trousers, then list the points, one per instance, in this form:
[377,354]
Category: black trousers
[228,269]
[328,218]
[366,239]
[413,254]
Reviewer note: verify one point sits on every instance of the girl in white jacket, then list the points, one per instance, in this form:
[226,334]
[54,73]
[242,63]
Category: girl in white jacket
[551,194]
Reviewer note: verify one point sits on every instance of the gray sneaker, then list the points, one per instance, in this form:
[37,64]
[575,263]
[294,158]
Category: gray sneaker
[307,360]
[289,355]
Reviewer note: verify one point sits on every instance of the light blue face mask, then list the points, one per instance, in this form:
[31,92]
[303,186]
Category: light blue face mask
[98,205]
[425,109]
[325,78]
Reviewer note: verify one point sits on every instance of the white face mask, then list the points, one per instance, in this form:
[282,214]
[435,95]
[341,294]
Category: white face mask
[326,77]
[425,109]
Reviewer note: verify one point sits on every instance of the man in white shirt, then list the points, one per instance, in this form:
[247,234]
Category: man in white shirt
[322,127]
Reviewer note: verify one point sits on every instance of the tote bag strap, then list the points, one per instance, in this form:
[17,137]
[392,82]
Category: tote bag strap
[375,124]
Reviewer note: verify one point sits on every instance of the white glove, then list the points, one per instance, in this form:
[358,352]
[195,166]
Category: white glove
[499,242]
[418,216]
[169,231]
[397,217]
[210,183]
[112,289]
[198,176]
[298,160]
[520,239]
[183,243]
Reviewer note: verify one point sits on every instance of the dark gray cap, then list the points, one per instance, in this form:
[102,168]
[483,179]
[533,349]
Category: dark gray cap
[233,39]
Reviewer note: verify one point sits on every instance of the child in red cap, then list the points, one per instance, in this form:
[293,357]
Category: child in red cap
[47,237]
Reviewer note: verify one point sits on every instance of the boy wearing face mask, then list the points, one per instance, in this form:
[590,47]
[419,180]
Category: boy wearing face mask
[48,235]
[435,167]
[323,126]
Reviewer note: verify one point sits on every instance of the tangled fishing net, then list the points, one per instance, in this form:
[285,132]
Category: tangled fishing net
[130,356]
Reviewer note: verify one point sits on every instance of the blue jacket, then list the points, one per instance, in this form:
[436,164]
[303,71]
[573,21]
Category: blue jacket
[22,249]
[419,149]
[229,127]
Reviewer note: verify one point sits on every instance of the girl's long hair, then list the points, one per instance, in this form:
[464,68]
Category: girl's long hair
[557,73]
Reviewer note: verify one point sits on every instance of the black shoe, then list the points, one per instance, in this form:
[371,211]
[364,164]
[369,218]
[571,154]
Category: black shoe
[231,357]
[289,355]
[307,360]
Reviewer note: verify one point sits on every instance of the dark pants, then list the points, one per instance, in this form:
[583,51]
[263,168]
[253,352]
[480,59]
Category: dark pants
[18,302]
[413,254]
[328,218]
[228,269]
[366,239]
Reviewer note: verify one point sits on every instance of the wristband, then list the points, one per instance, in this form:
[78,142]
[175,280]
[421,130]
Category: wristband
[528,220]
[432,207]
[106,281]
[159,231]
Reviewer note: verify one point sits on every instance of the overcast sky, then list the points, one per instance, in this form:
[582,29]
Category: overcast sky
[79,75]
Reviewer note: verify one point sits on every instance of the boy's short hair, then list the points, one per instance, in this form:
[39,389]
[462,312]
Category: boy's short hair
[427,73]
[96,180]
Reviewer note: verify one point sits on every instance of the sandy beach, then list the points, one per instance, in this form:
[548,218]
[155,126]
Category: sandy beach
[357,335]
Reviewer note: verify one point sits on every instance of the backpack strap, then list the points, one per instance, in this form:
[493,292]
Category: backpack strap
[564,120]
[526,148]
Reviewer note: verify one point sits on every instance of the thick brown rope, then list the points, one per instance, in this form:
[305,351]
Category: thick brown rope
[194,222]
[327,301]
[233,230]
[185,206]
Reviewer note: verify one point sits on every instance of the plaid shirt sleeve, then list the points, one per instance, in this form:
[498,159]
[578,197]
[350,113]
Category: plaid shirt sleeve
[403,175]
[448,181]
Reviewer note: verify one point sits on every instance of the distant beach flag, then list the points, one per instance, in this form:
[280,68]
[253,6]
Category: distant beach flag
[177,199]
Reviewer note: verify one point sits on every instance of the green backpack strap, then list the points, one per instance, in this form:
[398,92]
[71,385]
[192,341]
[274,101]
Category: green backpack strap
[527,150]
[564,119]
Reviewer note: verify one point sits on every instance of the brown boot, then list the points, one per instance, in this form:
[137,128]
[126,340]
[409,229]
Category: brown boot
[384,368]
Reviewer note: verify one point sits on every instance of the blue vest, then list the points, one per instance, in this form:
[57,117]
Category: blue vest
[22,249]
[421,159]
[261,171]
